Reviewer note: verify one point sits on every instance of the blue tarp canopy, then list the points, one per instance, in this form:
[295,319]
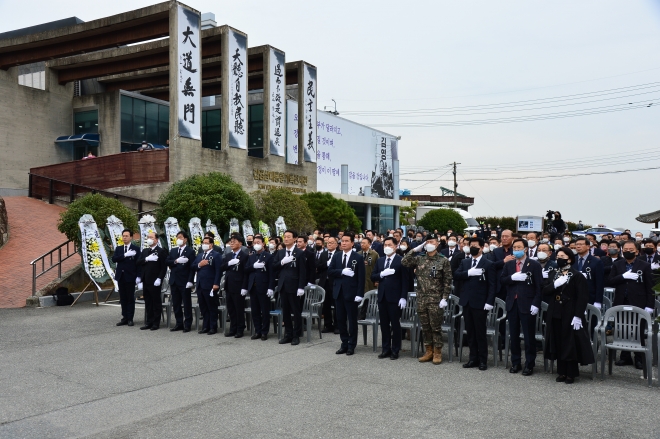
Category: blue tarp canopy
[90,139]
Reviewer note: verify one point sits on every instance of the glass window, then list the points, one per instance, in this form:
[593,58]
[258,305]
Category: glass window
[139,131]
[256,130]
[86,122]
[151,127]
[211,129]
[142,120]
[163,124]
[126,119]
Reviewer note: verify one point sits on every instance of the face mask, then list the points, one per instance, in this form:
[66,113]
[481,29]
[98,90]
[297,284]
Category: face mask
[518,254]
[492,247]
[315,236]
[486,250]
[403,247]
[649,251]
[574,251]
[388,251]
[319,248]
[531,243]
[205,247]
[638,238]
[612,251]
[452,243]
[258,247]
[179,242]
[474,251]
[430,248]
[466,249]
[544,241]
[227,245]
[493,235]
[658,249]
[629,255]
[390,235]
[150,242]
[567,239]
[542,256]
[419,239]
[271,246]
[310,242]
[561,263]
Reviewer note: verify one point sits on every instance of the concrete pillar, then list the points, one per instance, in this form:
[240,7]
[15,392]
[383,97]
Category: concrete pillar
[344,179]
[367,207]
[395,178]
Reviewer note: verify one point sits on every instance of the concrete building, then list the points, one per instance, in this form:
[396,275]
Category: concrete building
[70,88]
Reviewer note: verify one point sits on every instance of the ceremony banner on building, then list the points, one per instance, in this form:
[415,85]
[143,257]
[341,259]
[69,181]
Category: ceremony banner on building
[277,102]
[291,132]
[309,120]
[189,85]
[238,92]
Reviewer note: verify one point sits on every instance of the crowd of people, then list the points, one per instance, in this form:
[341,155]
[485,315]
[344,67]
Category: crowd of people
[523,269]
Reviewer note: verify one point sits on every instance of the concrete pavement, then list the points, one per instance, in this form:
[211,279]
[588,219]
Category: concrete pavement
[69,372]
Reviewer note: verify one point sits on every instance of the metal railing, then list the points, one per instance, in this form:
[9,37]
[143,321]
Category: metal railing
[51,261]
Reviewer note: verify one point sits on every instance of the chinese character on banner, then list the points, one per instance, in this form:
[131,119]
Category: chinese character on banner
[236,88]
[188,73]
[308,107]
[277,89]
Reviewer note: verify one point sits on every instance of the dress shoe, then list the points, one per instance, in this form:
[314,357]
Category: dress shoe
[336,331]
[385,355]
[623,362]
[527,371]
[483,366]
[255,337]
[639,365]
[394,357]
[569,380]
[295,341]
[286,340]
[212,331]
[176,328]
[350,351]
[561,378]
[130,323]
[470,364]
[341,351]
[515,368]
[231,334]
[122,322]
[327,330]
[155,328]
[186,330]
[238,335]
[142,328]
[203,331]
[264,337]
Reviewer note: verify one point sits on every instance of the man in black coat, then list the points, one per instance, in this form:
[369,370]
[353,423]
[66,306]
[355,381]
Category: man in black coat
[523,279]
[392,280]
[233,267]
[375,245]
[153,266]
[327,282]
[633,280]
[260,284]
[179,260]
[477,298]
[592,269]
[347,268]
[290,267]
[126,275]
[207,266]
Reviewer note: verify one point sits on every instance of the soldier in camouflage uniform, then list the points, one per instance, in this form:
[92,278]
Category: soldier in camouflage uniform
[434,279]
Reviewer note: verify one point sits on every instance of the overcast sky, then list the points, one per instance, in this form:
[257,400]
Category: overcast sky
[388,56]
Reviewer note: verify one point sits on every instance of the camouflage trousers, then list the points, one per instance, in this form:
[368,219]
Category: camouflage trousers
[430,317]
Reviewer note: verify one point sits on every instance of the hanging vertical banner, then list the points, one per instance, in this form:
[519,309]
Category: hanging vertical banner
[189,85]
[292,132]
[382,180]
[237,58]
[277,101]
[309,122]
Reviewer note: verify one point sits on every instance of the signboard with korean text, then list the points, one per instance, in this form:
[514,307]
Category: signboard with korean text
[238,93]
[291,132]
[189,86]
[277,103]
[309,94]
[529,224]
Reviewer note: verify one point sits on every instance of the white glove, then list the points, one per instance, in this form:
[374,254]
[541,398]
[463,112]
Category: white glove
[519,276]
[561,281]
[487,307]
[443,303]
[655,266]
[287,259]
[545,273]
[419,248]
[157,282]
[259,265]
[129,253]
[270,294]
[181,260]
[300,292]
[533,310]
[233,262]
[586,275]
[402,303]
[387,272]
[243,293]
[475,272]
[152,257]
[649,310]
[348,272]
[138,280]
[630,275]
[576,323]
[189,285]
[597,305]
[211,293]
[358,299]
[139,285]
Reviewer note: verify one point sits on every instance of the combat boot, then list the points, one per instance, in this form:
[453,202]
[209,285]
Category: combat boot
[437,356]
[428,356]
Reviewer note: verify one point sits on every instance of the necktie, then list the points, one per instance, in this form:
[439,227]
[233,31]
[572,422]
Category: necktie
[451,252]
[180,251]
[125,248]
[580,263]
[387,265]
[205,254]
[518,266]
[288,252]
[531,253]
[344,263]
[318,255]
[474,263]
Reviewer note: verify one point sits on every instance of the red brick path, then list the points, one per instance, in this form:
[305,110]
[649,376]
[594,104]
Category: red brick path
[32,232]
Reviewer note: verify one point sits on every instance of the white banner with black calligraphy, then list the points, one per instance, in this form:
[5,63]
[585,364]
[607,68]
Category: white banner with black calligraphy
[292,132]
[189,84]
[277,103]
[238,105]
[309,123]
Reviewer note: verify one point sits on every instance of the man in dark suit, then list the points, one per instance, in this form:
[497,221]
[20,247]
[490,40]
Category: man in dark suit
[126,275]
[594,249]
[179,260]
[233,267]
[375,245]
[327,282]
[207,266]
[310,259]
[260,283]
[392,280]
[153,266]
[502,255]
[477,299]
[649,255]
[613,253]
[347,269]
[290,268]
[523,279]
[532,243]
[593,271]
[633,280]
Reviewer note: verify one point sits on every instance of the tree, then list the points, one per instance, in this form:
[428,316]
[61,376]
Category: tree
[272,203]
[505,222]
[442,220]
[100,208]
[213,196]
[330,212]
[407,214]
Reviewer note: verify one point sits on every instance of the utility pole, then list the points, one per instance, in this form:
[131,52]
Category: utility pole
[455,186]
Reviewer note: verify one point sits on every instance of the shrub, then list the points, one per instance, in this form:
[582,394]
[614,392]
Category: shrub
[331,213]
[443,220]
[272,203]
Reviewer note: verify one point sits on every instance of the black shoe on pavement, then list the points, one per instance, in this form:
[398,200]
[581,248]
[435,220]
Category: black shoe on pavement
[394,357]
[145,327]
[327,330]
[569,380]
[130,323]
[483,366]
[238,335]
[560,378]
[350,351]
[176,328]
[341,351]
[264,337]
[528,371]
[155,328]
[639,365]
[203,331]
[255,337]
[212,331]
[231,334]
[470,364]
[295,341]
[186,330]
[623,362]
[286,340]
[515,368]
[385,355]
[122,322]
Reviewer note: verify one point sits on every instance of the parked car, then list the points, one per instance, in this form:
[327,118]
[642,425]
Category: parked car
[598,231]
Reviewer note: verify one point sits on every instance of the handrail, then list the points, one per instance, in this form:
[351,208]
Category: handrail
[57,264]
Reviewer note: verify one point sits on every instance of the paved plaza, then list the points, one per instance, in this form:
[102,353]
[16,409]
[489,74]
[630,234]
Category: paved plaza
[70,372]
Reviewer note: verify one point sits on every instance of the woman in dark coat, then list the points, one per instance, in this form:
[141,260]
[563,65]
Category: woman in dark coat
[567,337]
